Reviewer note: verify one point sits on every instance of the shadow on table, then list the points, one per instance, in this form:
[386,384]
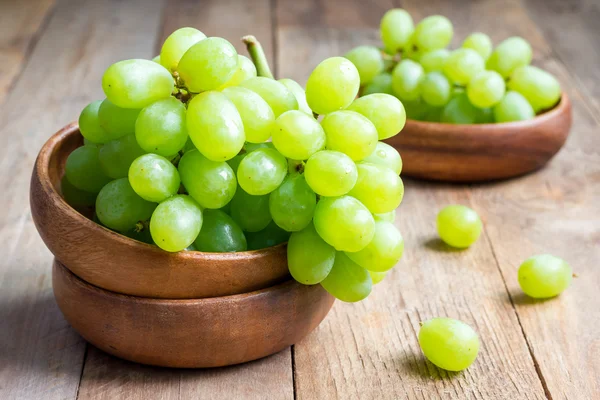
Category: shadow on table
[521,299]
[419,367]
[436,244]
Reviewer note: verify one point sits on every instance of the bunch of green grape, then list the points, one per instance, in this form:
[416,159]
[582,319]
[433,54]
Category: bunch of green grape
[473,84]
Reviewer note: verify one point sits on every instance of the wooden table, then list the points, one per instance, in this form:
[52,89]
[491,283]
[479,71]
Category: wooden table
[52,56]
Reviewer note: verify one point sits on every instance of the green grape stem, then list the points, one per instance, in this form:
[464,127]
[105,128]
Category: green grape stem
[257,54]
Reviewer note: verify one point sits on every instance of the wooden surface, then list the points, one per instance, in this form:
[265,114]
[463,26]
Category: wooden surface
[530,349]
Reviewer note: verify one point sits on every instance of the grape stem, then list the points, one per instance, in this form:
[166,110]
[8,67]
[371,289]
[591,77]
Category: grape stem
[258,56]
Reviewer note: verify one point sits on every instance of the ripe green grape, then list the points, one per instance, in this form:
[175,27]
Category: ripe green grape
[379,188]
[215,126]
[458,226]
[175,223]
[435,89]
[459,110]
[332,85]
[485,116]
[385,155]
[350,133]
[540,88]
[245,71]
[262,171]
[76,197]
[177,44]
[486,89]
[270,236]
[415,109]
[299,94]
[544,276]
[344,222]
[156,59]
[388,216]
[208,64]
[383,252]
[330,173]
[118,207]
[480,42]
[84,171]
[250,147]
[382,83]
[433,114]
[161,127]
[512,53]
[462,65]
[310,259]
[293,203]
[219,234]
[368,62]
[513,107]
[297,135]
[117,121]
[250,212]
[433,32]
[406,77]
[377,277]
[276,94]
[396,28]
[256,115]
[89,124]
[385,112]
[448,343]
[153,177]
[136,83]
[116,156]
[347,281]
[434,60]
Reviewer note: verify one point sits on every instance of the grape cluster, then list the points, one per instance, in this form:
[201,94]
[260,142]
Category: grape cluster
[473,84]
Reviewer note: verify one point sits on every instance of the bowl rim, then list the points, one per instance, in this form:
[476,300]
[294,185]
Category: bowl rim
[42,170]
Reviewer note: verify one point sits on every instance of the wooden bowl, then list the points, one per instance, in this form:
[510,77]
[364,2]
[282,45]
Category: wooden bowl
[482,152]
[191,333]
[119,264]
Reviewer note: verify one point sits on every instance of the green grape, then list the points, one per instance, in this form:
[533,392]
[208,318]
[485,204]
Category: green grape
[262,171]
[513,107]
[250,212]
[117,121]
[544,276]
[272,235]
[388,216]
[256,115]
[377,277]
[310,259]
[458,226]
[386,156]
[276,94]
[189,145]
[435,89]
[89,125]
[250,147]
[350,133]
[512,53]
[379,188]
[368,62]
[116,157]
[540,88]
[434,60]
[219,234]
[176,223]
[406,77]
[136,83]
[385,112]
[211,184]
[383,252]
[480,42]
[462,65]
[485,116]
[143,235]
[396,28]
[344,222]
[433,32]
[84,171]
[161,127]
[448,343]
[347,281]
[332,85]
[382,83]
[486,89]
[86,142]
[299,94]
[330,173]
[118,207]
[208,64]
[297,135]
[293,203]
[215,126]
[156,59]
[177,44]
[433,114]
[459,110]
[76,197]
[153,177]
[415,109]
[244,71]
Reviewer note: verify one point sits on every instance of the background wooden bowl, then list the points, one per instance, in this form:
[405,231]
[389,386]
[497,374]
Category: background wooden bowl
[191,333]
[119,264]
[482,152]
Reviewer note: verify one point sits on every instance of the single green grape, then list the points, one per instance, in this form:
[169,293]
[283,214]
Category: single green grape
[462,65]
[270,236]
[118,207]
[448,343]
[330,173]
[161,127]
[297,135]
[415,109]
[176,44]
[276,94]
[245,71]
[434,60]
[310,259]
[83,169]
[480,42]
[540,88]
[388,216]
[485,116]
[433,114]
[396,28]
[350,133]
[262,171]
[347,281]
[406,78]
[385,112]
[76,197]
[486,89]
[368,62]
[386,156]
[299,94]
[377,277]
[332,85]
[293,203]
[250,212]
[544,276]
[379,188]
[219,234]
[256,115]
[512,53]
[433,32]
[382,83]
[175,223]
[458,226]
[117,121]
[383,251]
[116,156]
[435,89]
[513,107]
[153,177]
[459,110]
[89,124]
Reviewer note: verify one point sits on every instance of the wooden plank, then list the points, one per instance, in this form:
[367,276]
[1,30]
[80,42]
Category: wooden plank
[21,24]
[41,355]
